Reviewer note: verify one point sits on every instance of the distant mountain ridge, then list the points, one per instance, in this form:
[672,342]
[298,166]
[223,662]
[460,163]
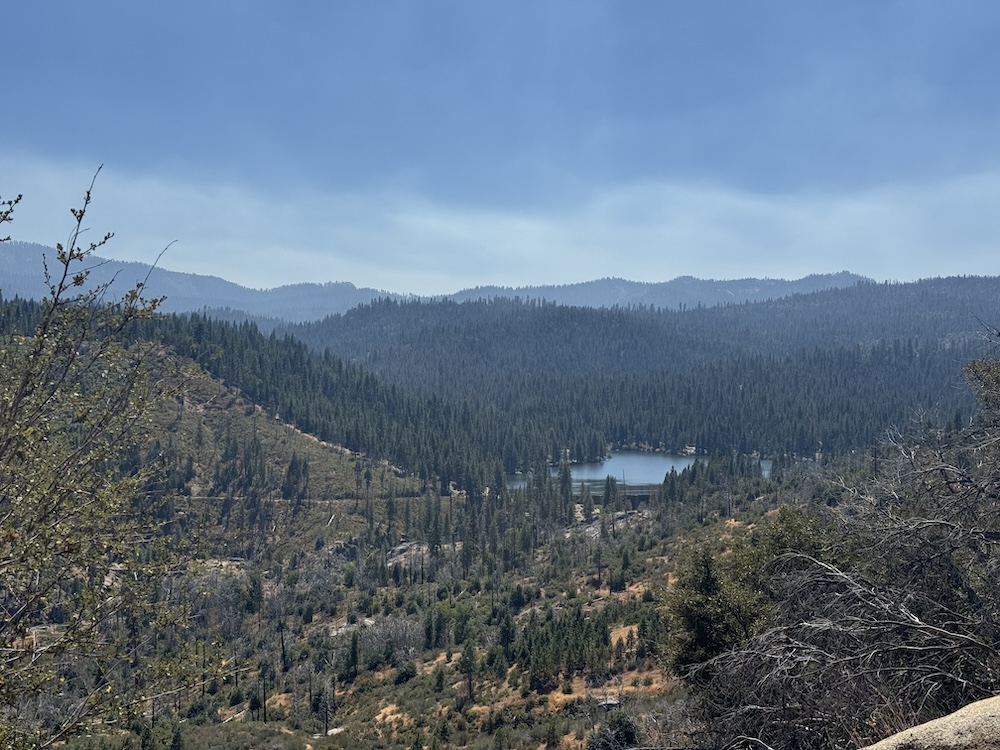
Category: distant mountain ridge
[682,292]
[21,274]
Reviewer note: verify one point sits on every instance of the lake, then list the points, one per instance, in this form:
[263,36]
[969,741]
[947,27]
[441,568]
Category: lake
[631,468]
[634,469]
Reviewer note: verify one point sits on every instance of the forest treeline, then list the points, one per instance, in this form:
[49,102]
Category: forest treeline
[415,342]
[462,392]
[517,383]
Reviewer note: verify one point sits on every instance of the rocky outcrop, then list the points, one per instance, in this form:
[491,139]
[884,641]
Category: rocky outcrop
[975,727]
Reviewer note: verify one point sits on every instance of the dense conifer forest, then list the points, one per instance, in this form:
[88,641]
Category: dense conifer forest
[522,382]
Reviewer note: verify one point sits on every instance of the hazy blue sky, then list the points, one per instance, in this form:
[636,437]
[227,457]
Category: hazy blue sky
[430,146]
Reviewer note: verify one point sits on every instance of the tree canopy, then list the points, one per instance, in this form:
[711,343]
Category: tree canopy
[79,556]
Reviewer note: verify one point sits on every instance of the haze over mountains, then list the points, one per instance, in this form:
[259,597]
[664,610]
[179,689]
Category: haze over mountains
[21,275]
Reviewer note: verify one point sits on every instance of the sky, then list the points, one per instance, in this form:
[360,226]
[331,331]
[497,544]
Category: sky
[428,147]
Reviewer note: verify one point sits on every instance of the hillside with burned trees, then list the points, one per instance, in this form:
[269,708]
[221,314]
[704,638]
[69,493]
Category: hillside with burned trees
[216,537]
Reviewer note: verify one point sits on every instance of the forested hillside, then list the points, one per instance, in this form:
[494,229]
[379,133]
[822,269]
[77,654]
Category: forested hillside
[216,538]
[826,371]
[461,392]
[510,337]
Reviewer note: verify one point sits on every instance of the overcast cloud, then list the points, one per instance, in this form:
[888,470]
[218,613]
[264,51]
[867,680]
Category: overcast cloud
[431,147]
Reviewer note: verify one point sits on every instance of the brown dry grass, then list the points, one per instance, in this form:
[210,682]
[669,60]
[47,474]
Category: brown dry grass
[392,716]
[622,633]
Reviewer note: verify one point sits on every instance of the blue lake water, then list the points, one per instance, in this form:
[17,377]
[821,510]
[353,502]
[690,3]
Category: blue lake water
[631,468]
[634,469]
